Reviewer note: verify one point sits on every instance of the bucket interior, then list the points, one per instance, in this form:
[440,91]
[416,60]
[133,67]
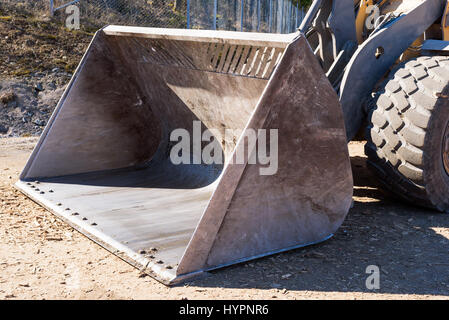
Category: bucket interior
[103,162]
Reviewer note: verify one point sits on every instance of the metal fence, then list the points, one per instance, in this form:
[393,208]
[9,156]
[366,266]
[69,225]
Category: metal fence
[97,13]
[275,16]
[53,9]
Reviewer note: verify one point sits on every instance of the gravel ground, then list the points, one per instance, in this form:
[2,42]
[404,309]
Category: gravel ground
[26,104]
[42,258]
[38,56]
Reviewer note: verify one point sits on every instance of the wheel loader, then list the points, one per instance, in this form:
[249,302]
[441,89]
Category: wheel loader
[104,163]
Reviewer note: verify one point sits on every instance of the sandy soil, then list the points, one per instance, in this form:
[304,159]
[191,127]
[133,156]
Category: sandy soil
[42,258]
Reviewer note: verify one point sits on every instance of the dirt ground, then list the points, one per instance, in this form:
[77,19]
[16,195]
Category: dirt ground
[38,55]
[24,110]
[42,258]
[32,42]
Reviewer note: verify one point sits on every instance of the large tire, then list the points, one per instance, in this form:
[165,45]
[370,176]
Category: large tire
[408,135]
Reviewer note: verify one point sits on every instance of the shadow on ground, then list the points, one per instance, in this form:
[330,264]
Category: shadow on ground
[410,246]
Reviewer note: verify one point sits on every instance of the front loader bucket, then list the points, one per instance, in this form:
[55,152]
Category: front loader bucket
[104,163]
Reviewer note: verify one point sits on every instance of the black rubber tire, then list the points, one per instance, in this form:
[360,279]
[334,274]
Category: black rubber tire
[409,118]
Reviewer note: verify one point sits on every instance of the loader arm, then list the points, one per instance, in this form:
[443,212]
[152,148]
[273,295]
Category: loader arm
[354,70]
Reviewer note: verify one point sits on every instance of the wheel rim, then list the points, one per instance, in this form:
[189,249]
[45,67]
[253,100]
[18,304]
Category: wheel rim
[446,150]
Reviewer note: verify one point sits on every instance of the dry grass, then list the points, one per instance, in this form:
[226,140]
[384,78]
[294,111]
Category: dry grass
[7,97]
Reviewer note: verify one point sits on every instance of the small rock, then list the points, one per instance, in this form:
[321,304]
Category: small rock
[7,97]
[12,104]
[39,87]
[53,239]
[303,270]
[39,122]
[316,255]
[3,129]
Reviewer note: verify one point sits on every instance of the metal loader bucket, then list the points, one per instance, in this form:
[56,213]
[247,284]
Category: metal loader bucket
[104,162]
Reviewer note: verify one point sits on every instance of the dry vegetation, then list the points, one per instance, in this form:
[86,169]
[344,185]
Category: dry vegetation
[31,42]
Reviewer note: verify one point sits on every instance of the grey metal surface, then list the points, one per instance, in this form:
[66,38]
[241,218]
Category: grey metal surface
[250,215]
[446,150]
[132,212]
[335,25]
[310,16]
[365,69]
[332,34]
[104,155]
[435,47]
[342,23]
